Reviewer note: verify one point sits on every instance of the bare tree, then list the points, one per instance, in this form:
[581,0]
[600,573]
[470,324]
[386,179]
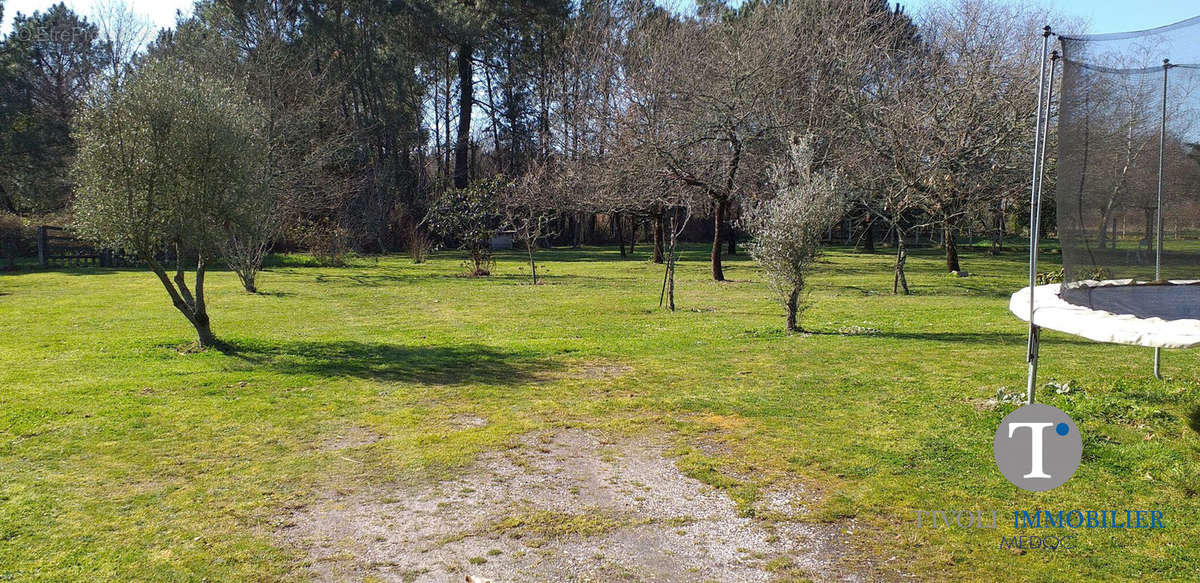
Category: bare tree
[977,89]
[884,176]
[124,33]
[718,115]
[678,216]
[876,98]
[725,94]
[529,206]
[250,240]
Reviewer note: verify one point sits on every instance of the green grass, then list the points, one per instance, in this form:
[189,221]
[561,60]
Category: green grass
[123,458]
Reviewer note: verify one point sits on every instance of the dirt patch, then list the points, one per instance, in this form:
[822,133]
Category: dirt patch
[568,506]
[349,438]
[600,370]
[468,421]
[590,370]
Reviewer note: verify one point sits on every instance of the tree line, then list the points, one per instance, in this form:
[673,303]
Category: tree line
[375,125]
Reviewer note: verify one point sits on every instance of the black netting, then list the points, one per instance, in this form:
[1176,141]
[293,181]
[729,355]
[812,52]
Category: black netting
[1110,123]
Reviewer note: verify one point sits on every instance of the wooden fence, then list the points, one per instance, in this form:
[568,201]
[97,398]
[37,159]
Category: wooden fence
[58,247]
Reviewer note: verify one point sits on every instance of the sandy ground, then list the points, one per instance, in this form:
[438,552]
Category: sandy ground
[566,506]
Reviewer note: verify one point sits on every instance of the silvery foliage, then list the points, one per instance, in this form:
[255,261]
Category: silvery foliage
[787,229]
[170,158]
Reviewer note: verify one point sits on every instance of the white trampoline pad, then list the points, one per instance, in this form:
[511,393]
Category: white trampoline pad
[1117,311]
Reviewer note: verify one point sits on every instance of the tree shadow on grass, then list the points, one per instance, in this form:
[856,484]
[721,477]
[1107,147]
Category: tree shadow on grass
[273,294]
[511,278]
[1001,338]
[698,252]
[430,365]
[1194,420]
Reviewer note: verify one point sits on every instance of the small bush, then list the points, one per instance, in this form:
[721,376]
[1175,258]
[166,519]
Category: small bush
[328,242]
[470,217]
[419,244]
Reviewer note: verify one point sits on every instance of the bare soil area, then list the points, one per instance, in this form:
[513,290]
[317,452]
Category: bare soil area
[565,506]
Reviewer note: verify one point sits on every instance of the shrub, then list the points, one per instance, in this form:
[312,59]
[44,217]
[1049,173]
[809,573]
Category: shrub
[328,242]
[1047,277]
[470,216]
[419,244]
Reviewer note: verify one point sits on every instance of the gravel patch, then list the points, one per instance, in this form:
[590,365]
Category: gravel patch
[565,506]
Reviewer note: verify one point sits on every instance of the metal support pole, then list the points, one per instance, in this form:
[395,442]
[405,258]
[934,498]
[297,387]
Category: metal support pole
[1162,141]
[1035,215]
[1158,245]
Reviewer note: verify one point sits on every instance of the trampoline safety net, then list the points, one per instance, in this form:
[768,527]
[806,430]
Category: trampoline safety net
[1128,167]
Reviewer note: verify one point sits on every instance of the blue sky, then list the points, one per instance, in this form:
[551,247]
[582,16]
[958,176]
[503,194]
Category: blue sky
[1102,15]
[160,12]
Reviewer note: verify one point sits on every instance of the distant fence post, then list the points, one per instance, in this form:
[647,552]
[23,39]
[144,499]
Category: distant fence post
[43,247]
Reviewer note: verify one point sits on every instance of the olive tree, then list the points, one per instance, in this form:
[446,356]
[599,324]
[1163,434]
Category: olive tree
[169,165]
[788,227]
[306,141]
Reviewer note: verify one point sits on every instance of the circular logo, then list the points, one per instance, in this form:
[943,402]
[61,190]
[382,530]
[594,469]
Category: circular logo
[1037,447]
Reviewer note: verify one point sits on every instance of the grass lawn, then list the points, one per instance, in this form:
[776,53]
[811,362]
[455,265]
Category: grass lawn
[123,457]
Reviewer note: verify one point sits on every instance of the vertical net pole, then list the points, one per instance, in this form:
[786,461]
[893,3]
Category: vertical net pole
[1158,244]
[1035,216]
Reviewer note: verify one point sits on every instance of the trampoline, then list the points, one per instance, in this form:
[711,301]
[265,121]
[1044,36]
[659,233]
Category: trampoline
[1127,191]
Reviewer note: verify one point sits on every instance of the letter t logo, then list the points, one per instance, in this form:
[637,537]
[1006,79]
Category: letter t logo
[1035,430]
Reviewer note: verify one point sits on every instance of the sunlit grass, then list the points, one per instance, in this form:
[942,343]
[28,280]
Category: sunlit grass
[124,458]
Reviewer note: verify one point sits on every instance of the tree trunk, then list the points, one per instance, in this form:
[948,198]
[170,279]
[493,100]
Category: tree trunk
[466,99]
[633,229]
[1149,239]
[719,209]
[204,334]
[671,277]
[620,226]
[951,250]
[532,265]
[998,233]
[899,281]
[658,237]
[578,242]
[247,278]
[1114,232]
[793,301]
[491,109]
[668,287]
[868,238]
[730,232]
[191,306]
[1103,232]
